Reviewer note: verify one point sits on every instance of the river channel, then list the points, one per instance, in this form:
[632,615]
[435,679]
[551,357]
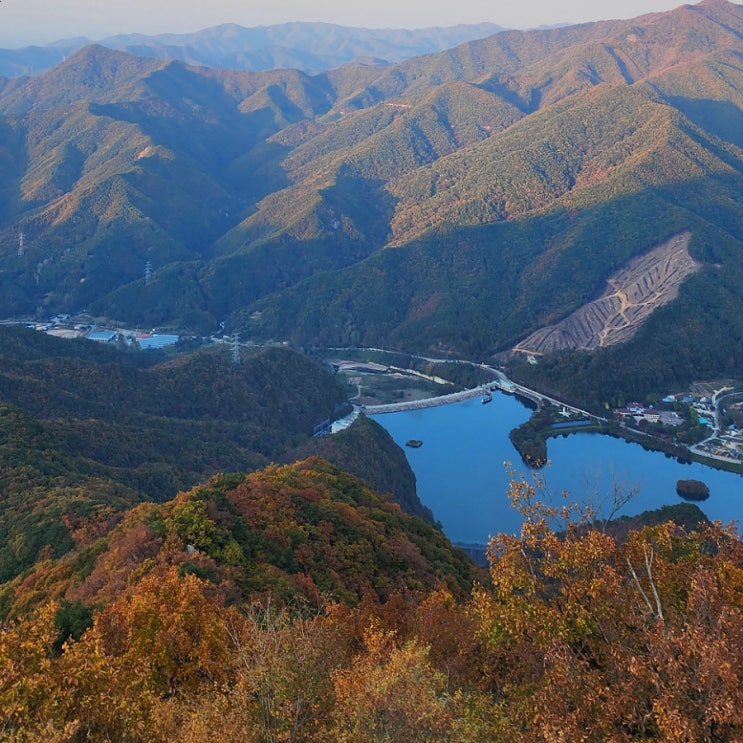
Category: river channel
[462,477]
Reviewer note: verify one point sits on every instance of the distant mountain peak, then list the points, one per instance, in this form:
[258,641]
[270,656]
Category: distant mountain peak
[715,4]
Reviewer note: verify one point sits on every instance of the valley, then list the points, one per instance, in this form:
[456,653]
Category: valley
[686,425]
[465,202]
[281,233]
[467,460]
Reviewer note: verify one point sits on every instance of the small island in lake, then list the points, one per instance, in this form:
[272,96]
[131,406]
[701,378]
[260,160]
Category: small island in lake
[414,443]
[692,490]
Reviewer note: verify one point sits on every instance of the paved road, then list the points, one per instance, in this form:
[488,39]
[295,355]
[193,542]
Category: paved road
[699,448]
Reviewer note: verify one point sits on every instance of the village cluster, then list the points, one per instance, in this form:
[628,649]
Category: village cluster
[717,435]
[63,326]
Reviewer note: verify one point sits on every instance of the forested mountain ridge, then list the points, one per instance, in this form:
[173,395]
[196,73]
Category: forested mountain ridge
[453,203]
[146,633]
[86,432]
[305,531]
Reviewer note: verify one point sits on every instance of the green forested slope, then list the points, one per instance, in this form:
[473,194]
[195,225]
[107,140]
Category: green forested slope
[368,451]
[87,432]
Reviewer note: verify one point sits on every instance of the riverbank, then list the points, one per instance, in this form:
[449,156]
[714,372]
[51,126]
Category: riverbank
[530,439]
[537,451]
[467,464]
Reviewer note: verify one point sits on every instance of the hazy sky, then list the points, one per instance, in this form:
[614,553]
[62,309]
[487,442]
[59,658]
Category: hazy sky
[25,22]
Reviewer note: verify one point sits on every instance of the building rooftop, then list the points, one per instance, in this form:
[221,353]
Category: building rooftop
[102,336]
[156,341]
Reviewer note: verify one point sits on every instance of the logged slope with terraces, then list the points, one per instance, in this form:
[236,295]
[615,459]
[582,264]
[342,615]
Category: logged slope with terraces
[633,293]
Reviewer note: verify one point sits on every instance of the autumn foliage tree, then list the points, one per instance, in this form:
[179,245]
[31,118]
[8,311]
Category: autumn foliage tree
[591,639]
[391,693]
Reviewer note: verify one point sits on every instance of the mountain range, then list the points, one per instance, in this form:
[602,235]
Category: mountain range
[454,203]
[298,45]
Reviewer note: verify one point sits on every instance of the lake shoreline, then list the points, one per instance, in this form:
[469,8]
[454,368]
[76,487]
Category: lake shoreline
[600,426]
[467,462]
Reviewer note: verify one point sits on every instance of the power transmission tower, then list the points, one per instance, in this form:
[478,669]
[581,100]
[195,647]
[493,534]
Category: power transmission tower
[21,247]
[236,348]
[147,272]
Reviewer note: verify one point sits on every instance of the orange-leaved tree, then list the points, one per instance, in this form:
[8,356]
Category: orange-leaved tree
[591,639]
[167,636]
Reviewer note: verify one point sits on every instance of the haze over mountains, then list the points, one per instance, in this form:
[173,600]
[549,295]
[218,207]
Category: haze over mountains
[452,203]
[301,46]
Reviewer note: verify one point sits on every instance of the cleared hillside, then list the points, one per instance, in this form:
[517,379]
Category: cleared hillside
[632,295]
